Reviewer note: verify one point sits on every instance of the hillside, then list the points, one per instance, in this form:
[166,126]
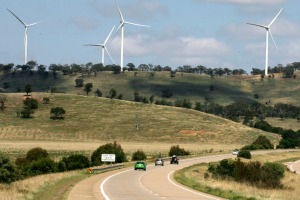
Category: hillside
[100,119]
[195,87]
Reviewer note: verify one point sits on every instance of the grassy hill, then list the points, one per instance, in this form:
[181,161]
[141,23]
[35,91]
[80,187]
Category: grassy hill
[227,89]
[101,119]
[91,121]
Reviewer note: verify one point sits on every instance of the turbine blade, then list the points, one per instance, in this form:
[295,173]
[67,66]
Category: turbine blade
[262,26]
[117,31]
[275,17]
[109,35]
[17,18]
[120,13]
[273,38]
[94,45]
[136,24]
[33,24]
[109,55]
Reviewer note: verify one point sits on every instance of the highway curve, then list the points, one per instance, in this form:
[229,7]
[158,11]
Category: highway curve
[156,183]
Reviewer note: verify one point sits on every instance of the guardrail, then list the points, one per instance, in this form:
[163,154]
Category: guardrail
[104,169]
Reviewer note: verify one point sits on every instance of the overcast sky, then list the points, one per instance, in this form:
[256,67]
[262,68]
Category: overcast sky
[212,33]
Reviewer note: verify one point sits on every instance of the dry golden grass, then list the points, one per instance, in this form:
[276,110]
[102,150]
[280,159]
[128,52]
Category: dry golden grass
[95,121]
[26,189]
[291,190]
[285,124]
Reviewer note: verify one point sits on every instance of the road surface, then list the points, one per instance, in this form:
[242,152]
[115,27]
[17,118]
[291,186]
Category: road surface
[156,183]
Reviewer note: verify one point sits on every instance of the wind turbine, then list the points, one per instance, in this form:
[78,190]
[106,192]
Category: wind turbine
[122,24]
[268,31]
[104,46]
[25,37]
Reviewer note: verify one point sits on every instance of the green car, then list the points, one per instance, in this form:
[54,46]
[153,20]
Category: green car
[140,165]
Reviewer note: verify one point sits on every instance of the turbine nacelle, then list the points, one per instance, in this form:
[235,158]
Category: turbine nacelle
[25,36]
[104,46]
[122,24]
[268,31]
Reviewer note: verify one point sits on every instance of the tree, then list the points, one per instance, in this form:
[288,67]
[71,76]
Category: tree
[79,82]
[76,161]
[98,93]
[113,93]
[32,64]
[57,113]
[139,155]
[26,112]
[8,171]
[3,99]
[176,150]
[88,88]
[7,68]
[131,67]
[36,154]
[109,148]
[97,68]
[28,88]
[31,103]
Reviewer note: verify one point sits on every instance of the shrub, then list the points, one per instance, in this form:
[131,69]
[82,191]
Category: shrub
[8,171]
[271,174]
[31,103]
[46,100]
[26,113]
[57,113]
[42,166]
[76,161]
[262,142]
[166,93]
[109,148]
[139,155]
[61,166]
[36,154]
[244,154]
[176,150]
[268,175]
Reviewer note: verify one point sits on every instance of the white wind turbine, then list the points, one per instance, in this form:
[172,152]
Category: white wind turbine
[25,37]
[104,46]
[268,30]
[122,24]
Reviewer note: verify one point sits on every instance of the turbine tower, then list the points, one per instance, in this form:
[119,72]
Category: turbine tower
[104,46]
[122,24]
[25,36]
[268,31]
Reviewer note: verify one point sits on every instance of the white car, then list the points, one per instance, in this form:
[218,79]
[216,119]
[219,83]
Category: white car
[235,152]
[159,161]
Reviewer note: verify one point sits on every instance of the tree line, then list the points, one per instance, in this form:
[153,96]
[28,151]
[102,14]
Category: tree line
[90,68]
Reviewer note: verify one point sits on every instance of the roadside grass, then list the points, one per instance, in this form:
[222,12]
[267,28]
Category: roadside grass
[42,187]
[59,189]
[193,177]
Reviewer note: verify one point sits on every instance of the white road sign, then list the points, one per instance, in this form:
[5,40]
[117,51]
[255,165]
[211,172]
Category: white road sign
[108,157]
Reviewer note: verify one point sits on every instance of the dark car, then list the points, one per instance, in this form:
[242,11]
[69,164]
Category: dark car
[174,160]
[159,161]
[140,165]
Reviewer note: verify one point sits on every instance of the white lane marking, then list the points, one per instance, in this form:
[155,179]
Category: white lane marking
[192,191]
[102,184]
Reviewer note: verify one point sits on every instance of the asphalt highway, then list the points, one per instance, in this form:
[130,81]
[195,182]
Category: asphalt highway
[156,183]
